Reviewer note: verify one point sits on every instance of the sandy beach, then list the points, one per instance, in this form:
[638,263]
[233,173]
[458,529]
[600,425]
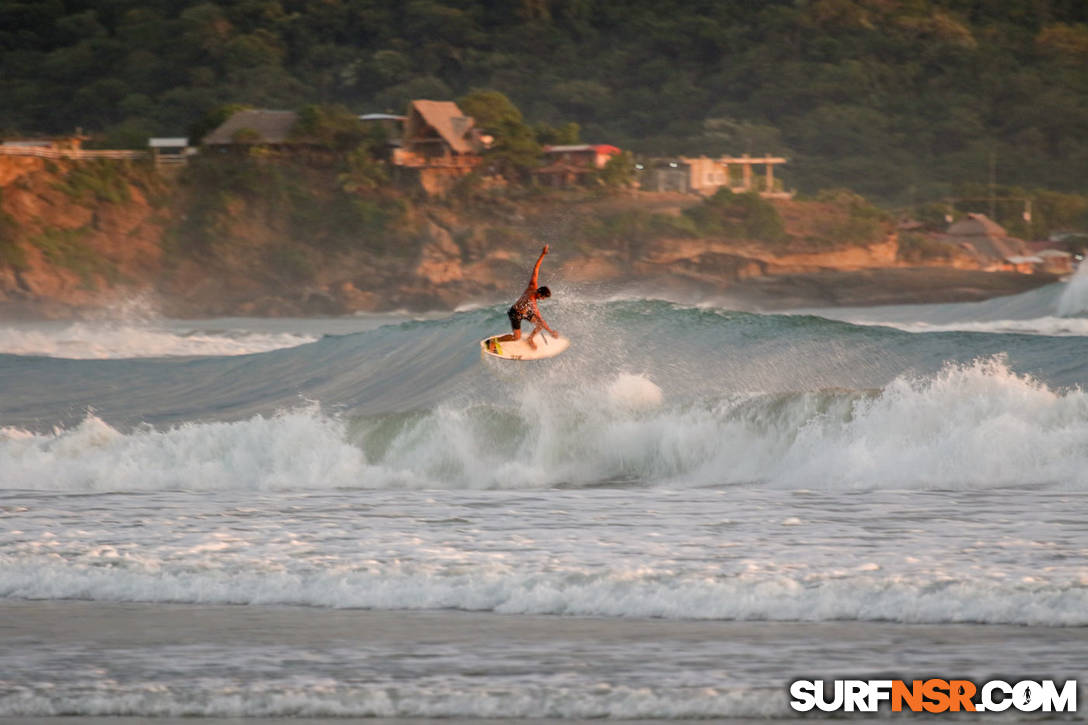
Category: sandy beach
[754,657]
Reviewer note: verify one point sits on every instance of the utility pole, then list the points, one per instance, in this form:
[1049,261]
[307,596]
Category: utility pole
[993,184]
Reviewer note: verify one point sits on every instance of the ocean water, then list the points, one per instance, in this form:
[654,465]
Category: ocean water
[361,518]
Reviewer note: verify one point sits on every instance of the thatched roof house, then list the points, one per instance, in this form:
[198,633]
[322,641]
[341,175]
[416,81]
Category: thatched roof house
[986,238]
[439,129]
[974,225]
[440,144]
[254,127]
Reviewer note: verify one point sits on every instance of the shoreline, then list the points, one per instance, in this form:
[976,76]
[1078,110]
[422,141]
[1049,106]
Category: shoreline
[872,287]
[435,256]
[879,287]
[351,650]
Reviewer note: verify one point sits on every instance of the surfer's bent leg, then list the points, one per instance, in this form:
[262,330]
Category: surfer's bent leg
[515,325]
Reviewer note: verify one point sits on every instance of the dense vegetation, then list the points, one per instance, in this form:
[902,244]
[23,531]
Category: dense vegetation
[902,100]
[841,219]
[330,209]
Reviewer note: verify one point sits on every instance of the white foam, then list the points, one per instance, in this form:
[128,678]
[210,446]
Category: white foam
[1050,325]
[1074,298]
[865,593]
[972,426]
[110,340]
[299,449]
[636,392]
[288,697]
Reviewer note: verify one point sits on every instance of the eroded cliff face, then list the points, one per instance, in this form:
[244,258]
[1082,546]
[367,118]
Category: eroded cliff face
[72,240]
[756,260]
[80,236]
[716,263]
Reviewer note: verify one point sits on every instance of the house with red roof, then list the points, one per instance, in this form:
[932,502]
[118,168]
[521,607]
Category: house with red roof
[573,164]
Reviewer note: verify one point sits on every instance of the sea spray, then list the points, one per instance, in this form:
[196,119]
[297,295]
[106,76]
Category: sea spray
[299,449]
[970,426]
[1074,298]
[635,392]
[104,340]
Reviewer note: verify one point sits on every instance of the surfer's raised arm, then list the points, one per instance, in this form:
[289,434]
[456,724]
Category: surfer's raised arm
[525,308]
[536,269]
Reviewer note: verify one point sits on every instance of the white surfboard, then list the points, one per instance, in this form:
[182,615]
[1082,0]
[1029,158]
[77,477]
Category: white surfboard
[546,346]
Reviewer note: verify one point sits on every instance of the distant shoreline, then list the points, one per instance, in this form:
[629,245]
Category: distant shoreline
[827,288]
[878,287]
[74,255]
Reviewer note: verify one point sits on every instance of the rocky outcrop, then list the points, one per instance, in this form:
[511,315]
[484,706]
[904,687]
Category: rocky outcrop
[78,238]
[439,259]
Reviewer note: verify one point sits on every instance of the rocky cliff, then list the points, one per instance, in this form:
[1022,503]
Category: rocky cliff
[268,237]
[77,235]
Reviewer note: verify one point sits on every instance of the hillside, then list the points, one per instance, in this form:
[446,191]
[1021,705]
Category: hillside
[904,102]
[73,235]
[266,235]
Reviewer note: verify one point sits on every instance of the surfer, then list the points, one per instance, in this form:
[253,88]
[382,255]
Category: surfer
[525,308]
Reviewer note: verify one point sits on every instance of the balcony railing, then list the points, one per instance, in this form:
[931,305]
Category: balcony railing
[419,161]
[51,153]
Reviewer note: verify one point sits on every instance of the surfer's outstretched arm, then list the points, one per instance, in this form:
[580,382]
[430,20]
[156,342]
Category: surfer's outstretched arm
[540,323]
[536,269]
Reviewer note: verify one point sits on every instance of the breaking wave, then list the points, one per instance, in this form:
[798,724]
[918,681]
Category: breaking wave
[113,340]
[973,425]
[612,592]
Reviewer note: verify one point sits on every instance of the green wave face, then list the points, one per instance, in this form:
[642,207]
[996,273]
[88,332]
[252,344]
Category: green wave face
[650,392]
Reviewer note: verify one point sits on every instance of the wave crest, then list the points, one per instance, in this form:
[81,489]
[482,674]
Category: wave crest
[122,340]
[970,426]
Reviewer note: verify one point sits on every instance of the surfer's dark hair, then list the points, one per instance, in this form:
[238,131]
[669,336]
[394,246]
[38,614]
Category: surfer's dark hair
[543,292]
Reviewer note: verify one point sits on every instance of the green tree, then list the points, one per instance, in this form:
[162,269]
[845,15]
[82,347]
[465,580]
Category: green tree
[618,171]
[565,134]
[212,120]
[739,215]
[490,109]
[514,149]
[364,172]
[900,100]
[334,127]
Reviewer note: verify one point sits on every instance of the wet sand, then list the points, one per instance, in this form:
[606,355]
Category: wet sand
[763,655]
